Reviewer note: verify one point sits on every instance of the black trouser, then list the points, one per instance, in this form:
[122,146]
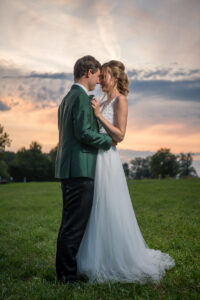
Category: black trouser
[77,204]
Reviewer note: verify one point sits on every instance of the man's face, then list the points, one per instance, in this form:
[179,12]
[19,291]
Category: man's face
[93,79]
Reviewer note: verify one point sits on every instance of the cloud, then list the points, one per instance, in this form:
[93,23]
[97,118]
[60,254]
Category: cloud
[129,154]
[185,90]
[3,106]
[146,111]
[40,89]
[196,154]
[51,35]
[160,82]
[63,76]
[173,73]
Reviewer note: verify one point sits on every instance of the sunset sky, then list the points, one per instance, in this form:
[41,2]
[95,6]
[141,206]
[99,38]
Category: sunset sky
[158,41]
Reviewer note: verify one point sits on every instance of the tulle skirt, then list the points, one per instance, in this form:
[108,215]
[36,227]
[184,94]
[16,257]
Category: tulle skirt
[113,248]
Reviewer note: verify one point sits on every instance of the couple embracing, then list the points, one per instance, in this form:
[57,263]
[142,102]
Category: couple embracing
[99,237]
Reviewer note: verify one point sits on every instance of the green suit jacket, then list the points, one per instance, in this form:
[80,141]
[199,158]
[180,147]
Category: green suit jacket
[79,138]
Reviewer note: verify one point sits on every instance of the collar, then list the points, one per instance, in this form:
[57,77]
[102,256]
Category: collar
[82,86]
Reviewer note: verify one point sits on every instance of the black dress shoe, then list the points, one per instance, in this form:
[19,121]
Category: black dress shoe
[65,279]
[81,277]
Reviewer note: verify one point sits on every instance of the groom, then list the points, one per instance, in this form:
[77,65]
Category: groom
[79,142]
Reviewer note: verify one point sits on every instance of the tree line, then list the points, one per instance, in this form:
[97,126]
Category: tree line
[33,165]
[161,165]
[27,164]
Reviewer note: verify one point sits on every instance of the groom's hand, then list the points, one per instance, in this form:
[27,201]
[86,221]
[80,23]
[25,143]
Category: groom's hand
[96,107]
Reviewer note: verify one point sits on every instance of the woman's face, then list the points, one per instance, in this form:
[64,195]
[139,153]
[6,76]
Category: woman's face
[107,82]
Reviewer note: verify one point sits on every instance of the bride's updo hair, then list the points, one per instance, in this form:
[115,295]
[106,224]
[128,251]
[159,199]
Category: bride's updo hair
[117,70]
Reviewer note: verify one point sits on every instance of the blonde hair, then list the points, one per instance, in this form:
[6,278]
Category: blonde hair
[117,70]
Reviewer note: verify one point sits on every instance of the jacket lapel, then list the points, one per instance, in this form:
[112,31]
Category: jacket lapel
[98,125]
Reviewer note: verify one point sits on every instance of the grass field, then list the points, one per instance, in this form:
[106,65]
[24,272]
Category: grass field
[168,214]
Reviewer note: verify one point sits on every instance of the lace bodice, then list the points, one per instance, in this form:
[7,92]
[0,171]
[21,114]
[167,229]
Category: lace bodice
[107,113]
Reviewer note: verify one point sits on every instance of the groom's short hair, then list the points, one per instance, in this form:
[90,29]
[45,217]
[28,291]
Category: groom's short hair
[85,63]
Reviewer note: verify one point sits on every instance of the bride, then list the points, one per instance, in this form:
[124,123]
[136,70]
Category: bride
[113,248]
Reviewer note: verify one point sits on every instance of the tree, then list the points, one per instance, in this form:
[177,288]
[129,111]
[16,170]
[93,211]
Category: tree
[52,159]
[3,170]
[164,163]
[6,158]
[126,169]
[31,163]
[140,168]
[185,165]
[9,156]
[4,139]
[36,148]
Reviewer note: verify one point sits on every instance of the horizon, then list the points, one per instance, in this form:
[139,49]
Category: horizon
[127,155]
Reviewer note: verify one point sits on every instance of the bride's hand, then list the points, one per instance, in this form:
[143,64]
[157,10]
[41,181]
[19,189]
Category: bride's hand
[114,143]
[96,107]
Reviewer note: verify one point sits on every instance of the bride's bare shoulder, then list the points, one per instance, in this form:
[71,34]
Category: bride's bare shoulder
[121,100]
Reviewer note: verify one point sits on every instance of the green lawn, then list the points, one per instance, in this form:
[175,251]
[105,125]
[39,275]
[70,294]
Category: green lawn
[168,215]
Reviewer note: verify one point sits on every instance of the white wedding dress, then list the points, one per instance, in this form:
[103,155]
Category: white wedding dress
[113,248]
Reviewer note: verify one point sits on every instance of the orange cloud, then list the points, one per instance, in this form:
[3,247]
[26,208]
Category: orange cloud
[25,124]
[170,135]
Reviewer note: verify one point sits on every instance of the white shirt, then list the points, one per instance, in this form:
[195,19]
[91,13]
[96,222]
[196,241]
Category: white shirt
[82,86]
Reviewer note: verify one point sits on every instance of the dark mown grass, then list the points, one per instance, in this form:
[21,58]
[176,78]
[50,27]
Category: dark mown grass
[168,215]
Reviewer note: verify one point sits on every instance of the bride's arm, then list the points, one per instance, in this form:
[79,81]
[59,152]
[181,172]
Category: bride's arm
[116,131]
